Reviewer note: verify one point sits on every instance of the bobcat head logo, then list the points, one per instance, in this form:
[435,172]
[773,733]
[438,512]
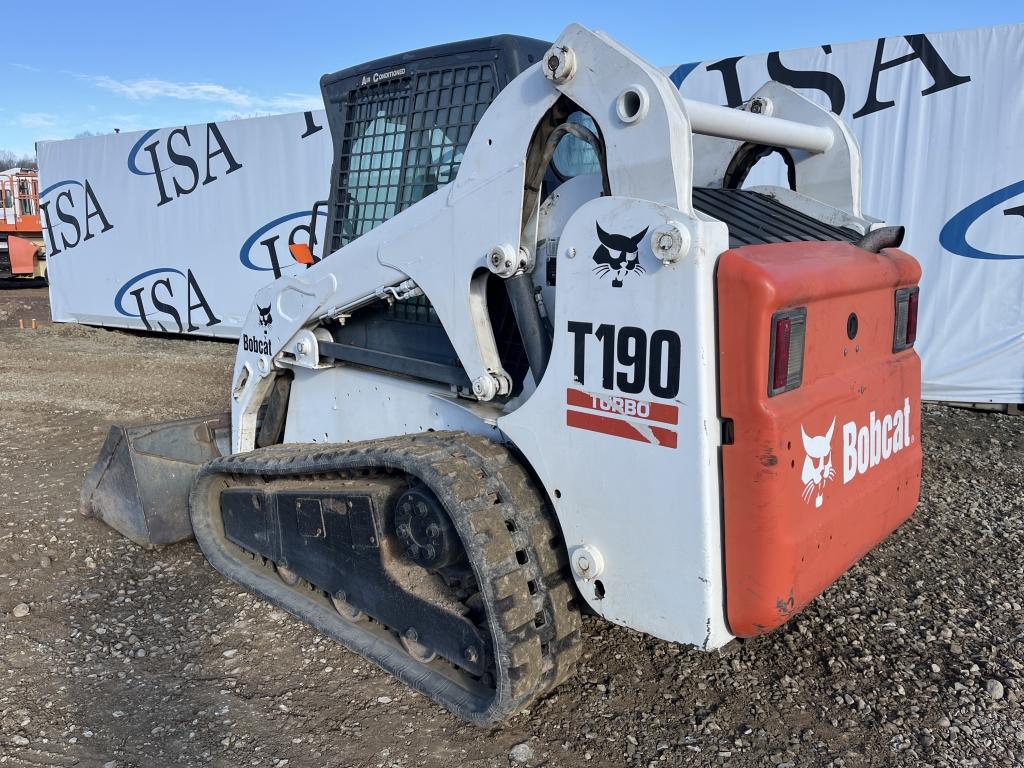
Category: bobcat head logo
[618,254]
[817,464]
[265,317]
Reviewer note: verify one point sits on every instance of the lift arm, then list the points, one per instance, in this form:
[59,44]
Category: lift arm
[449,243]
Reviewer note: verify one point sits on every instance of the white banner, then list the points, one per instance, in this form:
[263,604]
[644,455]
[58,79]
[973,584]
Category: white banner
[174,230]
[938,118]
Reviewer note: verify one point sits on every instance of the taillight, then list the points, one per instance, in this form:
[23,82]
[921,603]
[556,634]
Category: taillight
[912,318]
[905,331]
[786,357]
[780,353]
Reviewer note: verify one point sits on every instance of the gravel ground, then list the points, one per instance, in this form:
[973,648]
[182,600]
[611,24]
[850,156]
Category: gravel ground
[114,656]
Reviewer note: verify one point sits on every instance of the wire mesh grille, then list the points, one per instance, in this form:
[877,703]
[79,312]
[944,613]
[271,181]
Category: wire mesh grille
[404,138]
[370,166]
[416,310]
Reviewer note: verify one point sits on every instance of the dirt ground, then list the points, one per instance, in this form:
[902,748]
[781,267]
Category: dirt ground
[135,658]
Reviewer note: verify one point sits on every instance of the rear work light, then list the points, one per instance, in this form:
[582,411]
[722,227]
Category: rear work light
[905,332]
[786,352]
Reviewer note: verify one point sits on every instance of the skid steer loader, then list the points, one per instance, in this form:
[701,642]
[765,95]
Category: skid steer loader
[551,356]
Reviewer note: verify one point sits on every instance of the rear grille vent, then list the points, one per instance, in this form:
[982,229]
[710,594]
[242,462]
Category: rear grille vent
[754,219]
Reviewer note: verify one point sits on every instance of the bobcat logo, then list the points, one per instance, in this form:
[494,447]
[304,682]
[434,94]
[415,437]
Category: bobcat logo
[627,259]
[266,318]
[817,465]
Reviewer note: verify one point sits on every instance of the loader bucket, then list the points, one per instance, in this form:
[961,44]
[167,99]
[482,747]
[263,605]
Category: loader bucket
[140,483]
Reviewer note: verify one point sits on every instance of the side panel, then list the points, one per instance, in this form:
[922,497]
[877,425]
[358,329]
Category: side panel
[345,404]
[820,474]
[623,430]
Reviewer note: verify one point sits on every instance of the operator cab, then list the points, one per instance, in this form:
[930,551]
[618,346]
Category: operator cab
[400,126]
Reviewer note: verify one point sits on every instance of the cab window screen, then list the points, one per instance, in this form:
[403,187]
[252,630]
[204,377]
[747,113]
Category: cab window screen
[371,167]
[403,139]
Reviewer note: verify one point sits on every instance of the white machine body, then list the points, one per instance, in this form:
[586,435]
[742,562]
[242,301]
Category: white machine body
[622,431]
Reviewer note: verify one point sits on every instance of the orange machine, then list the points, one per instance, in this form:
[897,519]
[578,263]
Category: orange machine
[826,455]
[21,232]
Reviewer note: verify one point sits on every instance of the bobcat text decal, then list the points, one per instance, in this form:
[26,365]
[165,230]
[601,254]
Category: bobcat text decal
[864,447]
[257,345]
[870,445]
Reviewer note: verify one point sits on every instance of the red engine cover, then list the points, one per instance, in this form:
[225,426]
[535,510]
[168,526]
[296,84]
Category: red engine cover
[816,476]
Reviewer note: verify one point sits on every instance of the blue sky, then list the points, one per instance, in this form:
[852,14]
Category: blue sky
[70,67]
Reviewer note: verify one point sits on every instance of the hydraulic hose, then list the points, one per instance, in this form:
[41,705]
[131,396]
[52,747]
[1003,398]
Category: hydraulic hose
[536,339]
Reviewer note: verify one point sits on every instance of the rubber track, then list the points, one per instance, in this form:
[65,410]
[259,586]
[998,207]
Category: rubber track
[506,525]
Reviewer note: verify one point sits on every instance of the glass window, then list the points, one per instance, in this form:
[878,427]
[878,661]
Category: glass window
[573,156]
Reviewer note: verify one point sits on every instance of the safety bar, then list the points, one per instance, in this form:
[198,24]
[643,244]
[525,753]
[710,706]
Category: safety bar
[726,123]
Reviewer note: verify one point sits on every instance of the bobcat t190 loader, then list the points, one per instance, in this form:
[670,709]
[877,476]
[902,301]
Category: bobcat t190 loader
[507,390]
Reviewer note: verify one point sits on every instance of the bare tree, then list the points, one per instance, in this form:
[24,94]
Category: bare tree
[9,159]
